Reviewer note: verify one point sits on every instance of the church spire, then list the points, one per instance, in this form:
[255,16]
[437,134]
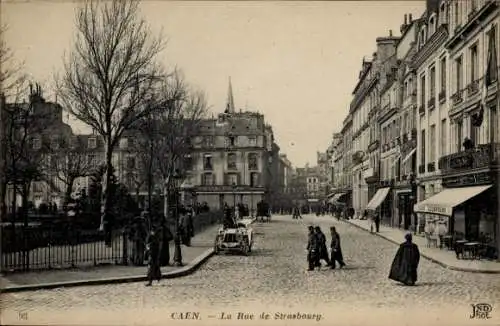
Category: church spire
[230,99]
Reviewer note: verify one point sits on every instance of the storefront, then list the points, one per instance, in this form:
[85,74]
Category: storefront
[381,204]
[404,207]
[465,212]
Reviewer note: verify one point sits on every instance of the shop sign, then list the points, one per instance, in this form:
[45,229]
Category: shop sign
[435,209]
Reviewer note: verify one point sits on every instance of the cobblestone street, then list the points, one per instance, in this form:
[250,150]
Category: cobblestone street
[275,275]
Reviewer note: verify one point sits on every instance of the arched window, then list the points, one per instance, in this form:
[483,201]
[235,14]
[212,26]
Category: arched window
[421,38]
[432,24]
[442,14]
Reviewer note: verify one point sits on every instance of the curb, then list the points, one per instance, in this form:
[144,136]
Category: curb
[434,260]
[183,271]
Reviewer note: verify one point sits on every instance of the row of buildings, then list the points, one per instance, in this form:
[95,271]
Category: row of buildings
[233,159]
[420,143]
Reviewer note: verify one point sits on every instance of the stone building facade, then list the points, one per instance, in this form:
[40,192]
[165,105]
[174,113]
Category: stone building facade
[438,123]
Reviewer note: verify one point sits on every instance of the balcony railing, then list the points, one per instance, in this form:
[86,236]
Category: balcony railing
[481,156]
[442,96]
[457,97]
[421,109]
[431,167]
[421,168]
[431,103]
[473,88]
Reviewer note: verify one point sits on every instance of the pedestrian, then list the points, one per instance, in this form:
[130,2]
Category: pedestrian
[153,248]
[323,251]
[138,234]
[312,249]
[377,222]
[405,264]
[167,236]
[336,249]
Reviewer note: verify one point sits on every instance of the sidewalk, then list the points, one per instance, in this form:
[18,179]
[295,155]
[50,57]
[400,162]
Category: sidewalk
[200,250]
[442,257]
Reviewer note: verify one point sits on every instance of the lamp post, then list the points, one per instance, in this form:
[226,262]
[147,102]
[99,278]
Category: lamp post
[177,241]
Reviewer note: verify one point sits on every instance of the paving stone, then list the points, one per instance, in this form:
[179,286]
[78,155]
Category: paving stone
[275,274]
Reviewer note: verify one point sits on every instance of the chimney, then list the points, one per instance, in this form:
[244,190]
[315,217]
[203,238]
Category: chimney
[390,33]
[406,19]
[410,18]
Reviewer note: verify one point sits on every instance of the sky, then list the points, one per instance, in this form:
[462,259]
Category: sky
[295,62]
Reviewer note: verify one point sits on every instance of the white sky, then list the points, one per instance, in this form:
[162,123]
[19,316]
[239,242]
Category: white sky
[296,62]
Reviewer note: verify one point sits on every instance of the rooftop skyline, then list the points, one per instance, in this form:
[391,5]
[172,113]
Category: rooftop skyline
[285,59]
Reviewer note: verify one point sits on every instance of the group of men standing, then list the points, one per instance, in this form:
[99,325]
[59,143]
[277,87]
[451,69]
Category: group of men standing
[317,249]
[403,268]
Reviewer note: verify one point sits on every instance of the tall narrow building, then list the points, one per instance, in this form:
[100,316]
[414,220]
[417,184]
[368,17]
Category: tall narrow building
[231,158]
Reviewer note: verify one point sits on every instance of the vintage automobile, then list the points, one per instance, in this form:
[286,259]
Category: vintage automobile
[237,239]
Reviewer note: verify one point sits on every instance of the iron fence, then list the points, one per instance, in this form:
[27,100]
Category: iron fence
[59,246]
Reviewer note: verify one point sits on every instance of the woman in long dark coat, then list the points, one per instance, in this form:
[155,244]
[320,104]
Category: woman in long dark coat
[336,249]
[153,248]
[323,251]
[405,264]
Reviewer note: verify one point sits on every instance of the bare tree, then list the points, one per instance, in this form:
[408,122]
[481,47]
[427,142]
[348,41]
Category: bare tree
[111,74]
[27,144]
[185,110]
[12,83]
[12,77]
[147,144]
[68,162]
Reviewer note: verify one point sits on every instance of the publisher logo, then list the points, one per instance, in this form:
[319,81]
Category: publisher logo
[481,311]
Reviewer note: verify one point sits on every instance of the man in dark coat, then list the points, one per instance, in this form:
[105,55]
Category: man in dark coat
[153,248]
[312,249]
[323,251]
[405,264]
[377,222]
[167,236]
[336,249]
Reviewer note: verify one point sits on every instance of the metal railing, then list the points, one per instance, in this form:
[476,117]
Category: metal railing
[62,245]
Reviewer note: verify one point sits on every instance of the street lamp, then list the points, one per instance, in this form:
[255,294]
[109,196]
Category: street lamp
[234,198]
[177,241]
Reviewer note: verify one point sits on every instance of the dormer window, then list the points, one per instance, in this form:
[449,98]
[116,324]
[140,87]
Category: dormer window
[92,142]
[442,14]
[421,40]
[432,24]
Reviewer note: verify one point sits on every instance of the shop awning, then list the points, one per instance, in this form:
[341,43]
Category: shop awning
[444,202]
[336,197]
[407,157]
[378,198]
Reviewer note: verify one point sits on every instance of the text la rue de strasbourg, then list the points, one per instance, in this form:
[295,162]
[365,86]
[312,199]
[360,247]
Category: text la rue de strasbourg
[248,316]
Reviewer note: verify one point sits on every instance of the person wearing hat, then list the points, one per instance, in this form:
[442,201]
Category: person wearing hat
[153,249]
[405,264]
[322,248]
[336,250]
[312,249]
